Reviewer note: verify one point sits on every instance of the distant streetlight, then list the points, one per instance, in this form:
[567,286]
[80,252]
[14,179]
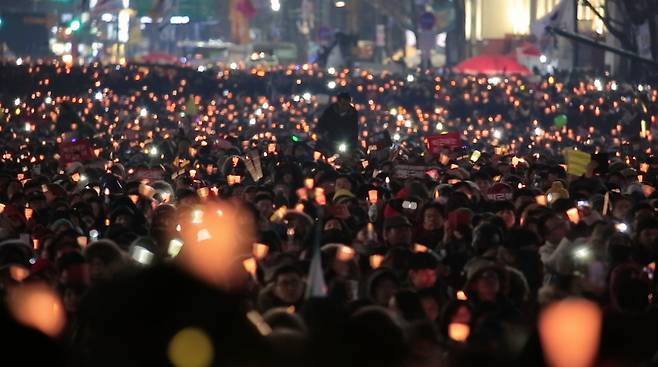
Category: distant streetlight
[177,19]
[340,4]
[75,25]
[275,5]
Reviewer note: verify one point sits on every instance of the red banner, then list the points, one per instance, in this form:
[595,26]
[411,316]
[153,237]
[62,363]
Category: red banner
[436,143]
[76,151]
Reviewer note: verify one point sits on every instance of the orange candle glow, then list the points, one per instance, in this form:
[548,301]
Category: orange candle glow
[570,332]
[376,261]
[250,266]
[18,273]
[37,306]
[345,253]
[573,215]
[234,179]
[320,198]
[459,332]
[260,250]
[420,248]
[373,196]
[82,241]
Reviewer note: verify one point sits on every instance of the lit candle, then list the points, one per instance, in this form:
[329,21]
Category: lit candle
[82,241]
[420,248]
[541,200]
[234,179]
[459,332]
[376,261]
[573,215]
[203,192]
[250,266]
[345,253]
[28,213]
[373,196]
[260,250]
[320,198]
[570,332]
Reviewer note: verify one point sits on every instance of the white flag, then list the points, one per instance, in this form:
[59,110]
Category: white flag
[315,284]
[643,38]
[560,17]
[559,49]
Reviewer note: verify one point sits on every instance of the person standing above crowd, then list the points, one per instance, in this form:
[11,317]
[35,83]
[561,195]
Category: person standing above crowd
[338,126]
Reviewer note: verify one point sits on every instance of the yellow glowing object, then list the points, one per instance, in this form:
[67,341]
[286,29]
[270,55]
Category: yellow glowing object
[191,347]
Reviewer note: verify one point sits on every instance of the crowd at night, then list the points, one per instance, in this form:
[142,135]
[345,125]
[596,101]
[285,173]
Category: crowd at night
[157,215]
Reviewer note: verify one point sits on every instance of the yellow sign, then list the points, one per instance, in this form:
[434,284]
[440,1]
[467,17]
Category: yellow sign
[577,161]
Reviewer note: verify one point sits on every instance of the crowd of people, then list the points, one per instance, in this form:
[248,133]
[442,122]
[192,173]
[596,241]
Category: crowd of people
[154,215]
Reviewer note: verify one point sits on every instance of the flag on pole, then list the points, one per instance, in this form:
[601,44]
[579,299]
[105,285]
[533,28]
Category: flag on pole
[561,17]
[315,283]
[106,6]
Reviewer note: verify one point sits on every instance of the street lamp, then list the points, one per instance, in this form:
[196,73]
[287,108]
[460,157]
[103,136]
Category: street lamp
[340,4]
